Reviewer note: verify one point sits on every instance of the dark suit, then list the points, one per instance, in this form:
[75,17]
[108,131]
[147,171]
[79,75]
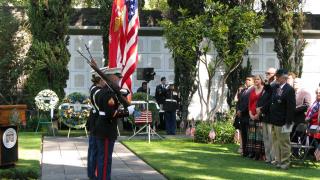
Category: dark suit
[242,106]
[160,96]
[264,103]
[283,105]
[282,110]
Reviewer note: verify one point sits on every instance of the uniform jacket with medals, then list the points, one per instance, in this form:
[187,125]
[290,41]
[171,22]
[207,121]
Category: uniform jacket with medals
[171,102]
[109,113]
[94,113]
[283,105]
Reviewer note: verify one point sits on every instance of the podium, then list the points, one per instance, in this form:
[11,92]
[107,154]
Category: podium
[9,145]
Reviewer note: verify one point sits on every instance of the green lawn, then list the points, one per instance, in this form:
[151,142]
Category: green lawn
[28,165]
[184,159]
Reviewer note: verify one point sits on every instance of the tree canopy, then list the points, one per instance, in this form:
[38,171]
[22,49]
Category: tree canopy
[48,56]
[228,30]
[287,19]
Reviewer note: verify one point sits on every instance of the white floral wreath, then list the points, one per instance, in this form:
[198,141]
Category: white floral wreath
[46,100]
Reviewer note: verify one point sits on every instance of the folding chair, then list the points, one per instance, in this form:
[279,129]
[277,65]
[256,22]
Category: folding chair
[301,149]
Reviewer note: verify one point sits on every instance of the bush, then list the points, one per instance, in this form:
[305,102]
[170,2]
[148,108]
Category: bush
[32,123]
[224,132]
[19,173]
[202,132]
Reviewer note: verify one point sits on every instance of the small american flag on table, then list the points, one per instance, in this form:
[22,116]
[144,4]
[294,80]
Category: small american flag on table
[142,117]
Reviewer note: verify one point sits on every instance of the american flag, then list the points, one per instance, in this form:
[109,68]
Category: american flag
[143,117]
[123,39]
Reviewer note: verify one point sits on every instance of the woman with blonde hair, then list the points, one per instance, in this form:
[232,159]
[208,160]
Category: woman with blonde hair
[255,138]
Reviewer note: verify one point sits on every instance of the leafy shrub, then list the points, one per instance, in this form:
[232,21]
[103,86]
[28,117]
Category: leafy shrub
[224,132]
[32,123]
[19,173]
[202,132]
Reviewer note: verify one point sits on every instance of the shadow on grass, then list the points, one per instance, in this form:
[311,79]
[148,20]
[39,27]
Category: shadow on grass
[179,159]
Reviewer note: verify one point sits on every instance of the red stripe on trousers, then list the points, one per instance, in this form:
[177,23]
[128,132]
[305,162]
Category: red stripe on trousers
[96,170]
[105,161]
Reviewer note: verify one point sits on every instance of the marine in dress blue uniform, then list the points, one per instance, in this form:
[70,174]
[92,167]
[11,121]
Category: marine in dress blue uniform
[170,107]
[106,125]
[94,114]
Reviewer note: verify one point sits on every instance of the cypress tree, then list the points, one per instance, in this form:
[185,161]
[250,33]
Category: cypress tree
[48,56]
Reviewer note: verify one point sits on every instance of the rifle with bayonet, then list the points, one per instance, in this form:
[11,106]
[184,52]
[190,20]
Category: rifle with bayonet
[111,84]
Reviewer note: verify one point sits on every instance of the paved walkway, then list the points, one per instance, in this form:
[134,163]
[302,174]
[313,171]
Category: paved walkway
[65,159]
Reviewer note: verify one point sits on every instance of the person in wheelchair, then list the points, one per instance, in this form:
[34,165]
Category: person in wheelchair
[303,101]
[312,117]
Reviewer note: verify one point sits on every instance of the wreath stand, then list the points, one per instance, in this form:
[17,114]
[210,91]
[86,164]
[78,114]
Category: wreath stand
[76,107]
[85,129]
[42,120]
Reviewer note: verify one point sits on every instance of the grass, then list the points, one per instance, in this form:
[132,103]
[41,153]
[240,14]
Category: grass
[184,159]
[28,165]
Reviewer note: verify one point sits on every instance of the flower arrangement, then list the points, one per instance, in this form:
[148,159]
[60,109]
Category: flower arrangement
[46,100]
[75,110]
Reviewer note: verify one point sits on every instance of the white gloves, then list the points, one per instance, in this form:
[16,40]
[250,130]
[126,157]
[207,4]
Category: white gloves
[131,109]
[124,92]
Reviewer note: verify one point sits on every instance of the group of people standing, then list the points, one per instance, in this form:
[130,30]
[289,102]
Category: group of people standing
[268,110]
[168,100]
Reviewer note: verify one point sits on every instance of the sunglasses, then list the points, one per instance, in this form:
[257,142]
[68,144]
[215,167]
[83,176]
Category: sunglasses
[268,73]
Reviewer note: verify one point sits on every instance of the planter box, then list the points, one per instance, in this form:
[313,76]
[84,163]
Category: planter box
[6,110]
[8,145]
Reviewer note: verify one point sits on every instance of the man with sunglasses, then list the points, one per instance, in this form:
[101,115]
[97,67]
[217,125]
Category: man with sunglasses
[263,109]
